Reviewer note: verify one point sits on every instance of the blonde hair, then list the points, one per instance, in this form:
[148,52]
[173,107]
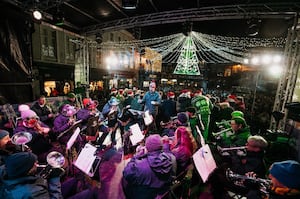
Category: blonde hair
[258,141]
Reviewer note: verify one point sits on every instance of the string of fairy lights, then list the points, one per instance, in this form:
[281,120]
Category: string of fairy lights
[208,48]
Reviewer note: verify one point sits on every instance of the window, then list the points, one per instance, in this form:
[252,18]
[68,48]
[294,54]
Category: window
[49,45]
[70,48]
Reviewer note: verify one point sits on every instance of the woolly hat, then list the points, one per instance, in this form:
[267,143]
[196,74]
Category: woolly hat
[3,133]
[130,93]
[86,101]
[28,114]
[19,164]
[153,143]
[23,107]
[182,118]
[287,172]
[171,94]
[113,90]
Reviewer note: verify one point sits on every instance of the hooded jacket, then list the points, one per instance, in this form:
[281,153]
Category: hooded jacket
[150,174]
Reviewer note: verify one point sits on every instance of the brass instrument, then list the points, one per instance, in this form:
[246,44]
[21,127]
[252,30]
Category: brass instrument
[21,139]
[237,179]
[55,160]
[170,124]
[232,148]
[227,132]
[224,123]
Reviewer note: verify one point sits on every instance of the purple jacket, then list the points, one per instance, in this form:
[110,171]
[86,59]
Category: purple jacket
[60,124]
[152,171]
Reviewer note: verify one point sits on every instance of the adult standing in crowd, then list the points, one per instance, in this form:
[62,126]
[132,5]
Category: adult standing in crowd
[151,100]
[203,107]
[168,107]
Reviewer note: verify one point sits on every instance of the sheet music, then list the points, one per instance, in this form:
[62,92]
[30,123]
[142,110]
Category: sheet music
[204,162]
[136,134]
[73,138]
[148,119]
[86,159]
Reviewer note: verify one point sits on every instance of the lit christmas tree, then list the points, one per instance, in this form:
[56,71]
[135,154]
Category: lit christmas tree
[187,63]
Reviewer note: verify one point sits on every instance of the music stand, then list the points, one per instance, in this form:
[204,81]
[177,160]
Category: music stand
[87,161]
[76,124]
[69,145]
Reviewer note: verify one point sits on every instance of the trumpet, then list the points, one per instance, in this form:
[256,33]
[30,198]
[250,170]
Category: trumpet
[218,134]
[265,184]
[232,148]
[223,123]
[55,162]
[169,124]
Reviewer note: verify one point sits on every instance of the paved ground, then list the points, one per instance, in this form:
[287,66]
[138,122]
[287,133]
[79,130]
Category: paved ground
[111,169]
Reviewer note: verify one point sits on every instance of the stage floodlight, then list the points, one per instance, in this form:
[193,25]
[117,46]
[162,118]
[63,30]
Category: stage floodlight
[37,14]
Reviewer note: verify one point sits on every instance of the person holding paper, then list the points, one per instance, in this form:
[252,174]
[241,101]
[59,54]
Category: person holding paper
[151,100]
[148,175]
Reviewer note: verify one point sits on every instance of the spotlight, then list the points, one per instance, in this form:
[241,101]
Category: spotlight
[129,4]
[37,14]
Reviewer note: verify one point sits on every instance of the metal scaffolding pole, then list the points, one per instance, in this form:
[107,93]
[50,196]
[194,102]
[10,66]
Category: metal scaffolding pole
[287,82]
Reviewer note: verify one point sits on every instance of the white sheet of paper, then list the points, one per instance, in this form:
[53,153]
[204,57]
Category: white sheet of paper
[148,119]
[136,134]
[204,162]
[73,138]
[86,158]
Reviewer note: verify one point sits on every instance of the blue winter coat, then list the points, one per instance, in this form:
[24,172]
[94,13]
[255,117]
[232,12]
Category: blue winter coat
[148,98]
[31,187]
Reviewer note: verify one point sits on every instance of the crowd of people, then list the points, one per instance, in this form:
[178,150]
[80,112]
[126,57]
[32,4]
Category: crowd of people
[175,127]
